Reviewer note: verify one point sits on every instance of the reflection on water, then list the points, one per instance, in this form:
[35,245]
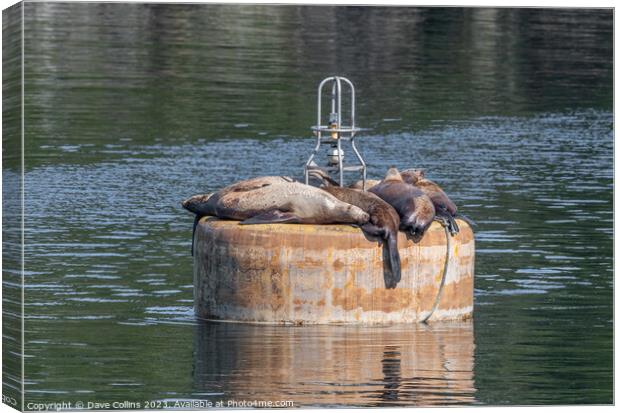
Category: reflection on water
[131,108]
[332,365]
[103,76]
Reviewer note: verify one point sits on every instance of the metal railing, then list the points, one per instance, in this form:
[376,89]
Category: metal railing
[337,131]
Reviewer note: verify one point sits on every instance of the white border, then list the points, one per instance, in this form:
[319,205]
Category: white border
[460,3]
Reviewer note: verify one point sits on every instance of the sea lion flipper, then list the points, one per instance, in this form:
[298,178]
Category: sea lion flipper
[391,256]
[196,220]
[447,221]
[373,230]
[391,275]
[271,217]
[452,225]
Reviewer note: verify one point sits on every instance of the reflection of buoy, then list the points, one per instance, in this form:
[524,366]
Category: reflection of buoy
[327,366]
[279,273]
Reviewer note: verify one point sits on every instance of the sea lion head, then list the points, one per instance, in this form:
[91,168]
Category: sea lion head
[414,226]
[347,214]
[197,204]
[393,175]
[359,216]
[419,173]
[412,176]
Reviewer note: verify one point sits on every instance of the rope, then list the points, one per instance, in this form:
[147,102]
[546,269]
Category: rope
[443,277]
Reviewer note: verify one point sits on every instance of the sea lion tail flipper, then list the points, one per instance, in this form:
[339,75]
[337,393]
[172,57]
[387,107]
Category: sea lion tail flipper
[452,225]
[391,256]
[467,219]
[271,217]
[392,277]
[196,220]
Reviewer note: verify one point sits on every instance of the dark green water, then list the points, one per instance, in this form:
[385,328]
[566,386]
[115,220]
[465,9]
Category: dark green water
[130,108]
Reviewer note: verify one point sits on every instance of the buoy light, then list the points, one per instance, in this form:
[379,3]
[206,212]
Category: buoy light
[335,131]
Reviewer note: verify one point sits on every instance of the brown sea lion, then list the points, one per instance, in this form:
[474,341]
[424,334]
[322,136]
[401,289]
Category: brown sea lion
[273,199]
[445,210]
[383,223]
[416,209]
[435,193]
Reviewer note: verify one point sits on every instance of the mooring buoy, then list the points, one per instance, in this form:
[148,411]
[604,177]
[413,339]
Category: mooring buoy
[321,274]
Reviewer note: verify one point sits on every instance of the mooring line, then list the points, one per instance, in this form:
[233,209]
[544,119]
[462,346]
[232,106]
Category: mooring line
[443,277]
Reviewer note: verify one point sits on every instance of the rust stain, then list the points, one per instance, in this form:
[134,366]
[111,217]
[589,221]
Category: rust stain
[309,262]
[360,266]
[404,261]
[254,271]
[328,282]
[378,299]
[455,295]
[458,295]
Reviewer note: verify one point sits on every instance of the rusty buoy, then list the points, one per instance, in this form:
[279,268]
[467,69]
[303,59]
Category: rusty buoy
[321,274]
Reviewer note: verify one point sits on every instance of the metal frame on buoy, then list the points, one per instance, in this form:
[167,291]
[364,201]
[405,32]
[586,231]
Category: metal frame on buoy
[337,131]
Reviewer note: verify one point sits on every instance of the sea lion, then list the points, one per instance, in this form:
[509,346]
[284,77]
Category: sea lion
[417,178]
[415,208]
[445,210]
[383,223]
[272,199]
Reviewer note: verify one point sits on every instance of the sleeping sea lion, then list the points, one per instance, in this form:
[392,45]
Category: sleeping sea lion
[445,209]
[416,210]
[383,223]
[272,199]
[438,196]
